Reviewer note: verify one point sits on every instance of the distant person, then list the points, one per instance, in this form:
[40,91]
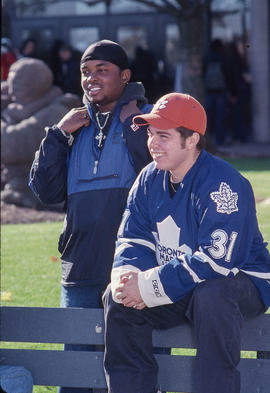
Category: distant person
[188,250]
[240,97]
[53,58]
[29,48]
[144,68]
[67,69]
[89,159]
[216,76]
[8,57]
[30,101]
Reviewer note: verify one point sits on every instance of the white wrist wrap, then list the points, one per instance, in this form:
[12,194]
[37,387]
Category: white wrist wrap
[151,288]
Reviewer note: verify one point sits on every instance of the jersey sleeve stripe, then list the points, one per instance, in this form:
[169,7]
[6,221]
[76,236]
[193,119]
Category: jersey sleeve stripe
[194,276]
[214,266]
[257,274]
[121,247]
[138,241]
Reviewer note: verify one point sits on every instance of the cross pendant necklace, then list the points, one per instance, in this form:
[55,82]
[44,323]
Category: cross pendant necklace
[101,137]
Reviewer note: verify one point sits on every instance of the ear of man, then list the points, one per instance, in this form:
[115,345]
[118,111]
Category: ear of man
[126,75]
[192,140]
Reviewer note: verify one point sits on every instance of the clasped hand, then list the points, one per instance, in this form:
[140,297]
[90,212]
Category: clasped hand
[128,291]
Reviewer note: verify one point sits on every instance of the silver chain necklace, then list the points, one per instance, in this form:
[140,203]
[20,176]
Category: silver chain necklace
[174,189]
[172,184]
[100,137]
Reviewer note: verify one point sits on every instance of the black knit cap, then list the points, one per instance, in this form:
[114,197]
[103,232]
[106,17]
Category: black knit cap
[108,51]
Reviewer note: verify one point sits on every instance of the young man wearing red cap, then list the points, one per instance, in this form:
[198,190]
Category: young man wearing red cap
[188,249]
[94,177]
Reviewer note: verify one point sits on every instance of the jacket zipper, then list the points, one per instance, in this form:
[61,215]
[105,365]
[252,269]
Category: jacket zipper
[95,168]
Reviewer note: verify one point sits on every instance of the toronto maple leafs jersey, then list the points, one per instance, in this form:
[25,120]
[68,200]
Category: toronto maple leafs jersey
[208,229]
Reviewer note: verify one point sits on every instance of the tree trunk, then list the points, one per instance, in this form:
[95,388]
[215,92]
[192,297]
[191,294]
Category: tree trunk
[260,44]
[192,33]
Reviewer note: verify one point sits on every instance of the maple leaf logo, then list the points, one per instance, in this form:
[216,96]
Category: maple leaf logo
[225,199]
[161,104]
[167,241]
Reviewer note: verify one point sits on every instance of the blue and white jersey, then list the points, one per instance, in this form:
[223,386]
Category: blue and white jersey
[208,229]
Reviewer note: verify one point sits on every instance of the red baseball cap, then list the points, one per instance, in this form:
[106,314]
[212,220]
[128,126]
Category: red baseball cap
[175,110]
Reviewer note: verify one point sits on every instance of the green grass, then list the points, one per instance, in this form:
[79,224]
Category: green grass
[31,277]
[27,270]
[257,171]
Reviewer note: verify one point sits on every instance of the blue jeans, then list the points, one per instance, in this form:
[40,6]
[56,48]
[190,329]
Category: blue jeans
[15,379]
[217,309]
[85,297]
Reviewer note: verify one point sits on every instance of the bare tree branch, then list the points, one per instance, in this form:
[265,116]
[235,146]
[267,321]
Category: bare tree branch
[166,8]
[186,8]
[94,2]
[176,8]
[39,4]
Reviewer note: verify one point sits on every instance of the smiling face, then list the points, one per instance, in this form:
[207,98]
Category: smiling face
[171,152]
[103,83]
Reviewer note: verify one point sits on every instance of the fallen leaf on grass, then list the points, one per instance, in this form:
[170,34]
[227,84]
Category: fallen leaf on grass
[54,259]
[6,296]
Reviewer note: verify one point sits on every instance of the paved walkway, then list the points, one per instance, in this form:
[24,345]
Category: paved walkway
[245,150]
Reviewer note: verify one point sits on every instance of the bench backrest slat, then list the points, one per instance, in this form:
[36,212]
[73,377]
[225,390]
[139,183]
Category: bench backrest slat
[86,326]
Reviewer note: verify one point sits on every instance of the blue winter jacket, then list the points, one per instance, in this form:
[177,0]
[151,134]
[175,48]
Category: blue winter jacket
[94,184]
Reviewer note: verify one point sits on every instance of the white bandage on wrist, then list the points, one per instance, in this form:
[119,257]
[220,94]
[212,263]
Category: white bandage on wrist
[151,288]
[69,137]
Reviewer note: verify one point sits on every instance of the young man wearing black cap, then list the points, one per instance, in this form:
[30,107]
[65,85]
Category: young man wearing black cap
[95,175]
[188,249]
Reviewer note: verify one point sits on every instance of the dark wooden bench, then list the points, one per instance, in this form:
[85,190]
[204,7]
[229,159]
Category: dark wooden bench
[84,369]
